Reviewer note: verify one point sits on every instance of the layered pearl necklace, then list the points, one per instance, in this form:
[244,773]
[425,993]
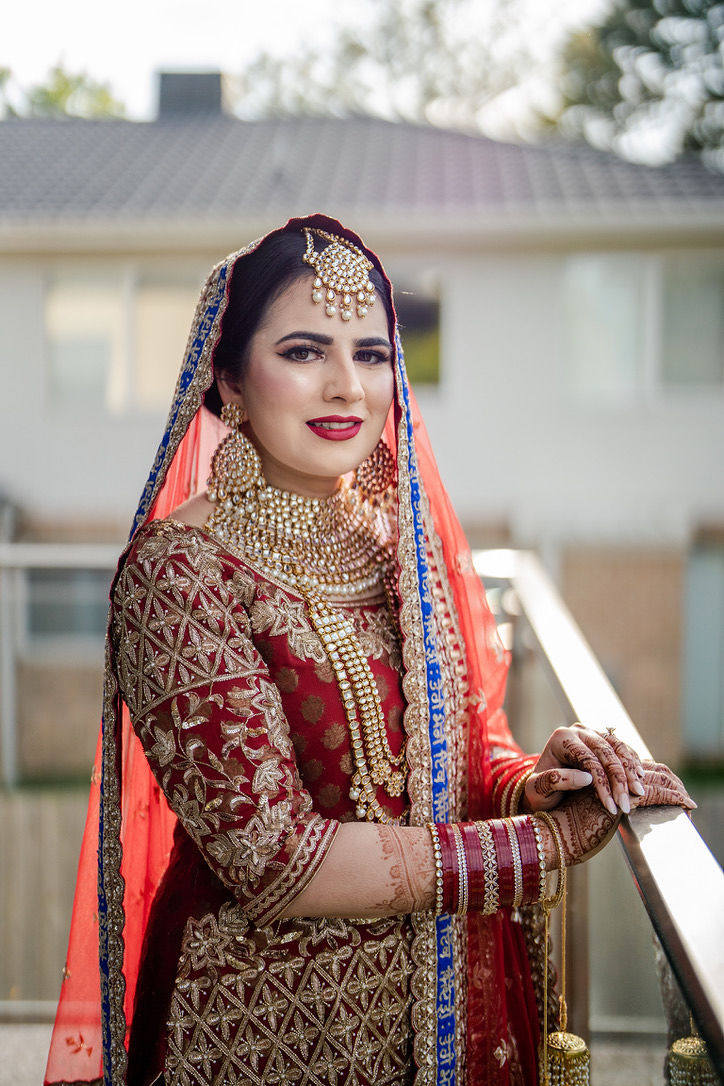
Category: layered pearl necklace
[326,549]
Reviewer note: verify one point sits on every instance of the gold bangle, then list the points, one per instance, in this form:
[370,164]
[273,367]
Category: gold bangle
[541,859]
[518,791]
[438,868]
[491,902]
[517,865]
[510,785]
[463,890]
[555,900]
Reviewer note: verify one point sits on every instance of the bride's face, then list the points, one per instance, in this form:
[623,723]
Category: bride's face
[316,390]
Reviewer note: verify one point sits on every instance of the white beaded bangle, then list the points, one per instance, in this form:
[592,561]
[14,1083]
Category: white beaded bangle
[463,890]
[438,868]
[517,865]
[541,858]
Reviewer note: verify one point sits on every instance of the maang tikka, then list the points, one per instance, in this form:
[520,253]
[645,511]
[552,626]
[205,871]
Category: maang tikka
[236,466]
[341,269]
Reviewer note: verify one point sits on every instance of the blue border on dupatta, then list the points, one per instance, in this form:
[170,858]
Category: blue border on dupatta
[188,372]
[446,1059]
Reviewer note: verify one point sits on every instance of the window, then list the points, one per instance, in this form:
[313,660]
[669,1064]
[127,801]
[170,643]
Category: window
[692,340]
[85,329]
[643,324]
[704,651]
[65,605]
[115,340]
[603,303]
[418,311]
[164,310]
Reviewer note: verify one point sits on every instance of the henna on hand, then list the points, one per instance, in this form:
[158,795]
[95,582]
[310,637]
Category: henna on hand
[584,824]
[612,766]
[545,784]
[661,786]
[630,761]
[410,871]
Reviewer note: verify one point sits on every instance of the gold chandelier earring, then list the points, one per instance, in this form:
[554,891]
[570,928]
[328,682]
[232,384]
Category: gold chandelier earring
[375,476]
[235,467]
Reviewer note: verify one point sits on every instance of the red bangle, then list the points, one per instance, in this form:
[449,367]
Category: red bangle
[476,870]
[508,774]
[528,858]
[450,873]
[504,856]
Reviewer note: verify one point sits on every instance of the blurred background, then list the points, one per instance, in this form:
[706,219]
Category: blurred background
[544,184]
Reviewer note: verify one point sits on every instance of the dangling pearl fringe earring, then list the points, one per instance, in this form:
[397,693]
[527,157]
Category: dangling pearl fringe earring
[375,476]
[235,467]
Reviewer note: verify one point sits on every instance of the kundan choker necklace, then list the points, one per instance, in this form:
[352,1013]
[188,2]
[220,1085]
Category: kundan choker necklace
[325,549]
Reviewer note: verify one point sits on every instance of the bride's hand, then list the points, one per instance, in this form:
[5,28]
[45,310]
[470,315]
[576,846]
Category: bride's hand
[576,757]
[662,788]
[585,826]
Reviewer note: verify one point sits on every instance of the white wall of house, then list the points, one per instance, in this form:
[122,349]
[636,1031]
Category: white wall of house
[516,436]
[515,439]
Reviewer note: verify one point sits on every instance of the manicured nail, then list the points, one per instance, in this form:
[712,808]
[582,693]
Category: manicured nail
[637,788]
[610,805]
[625,804]
[588,777]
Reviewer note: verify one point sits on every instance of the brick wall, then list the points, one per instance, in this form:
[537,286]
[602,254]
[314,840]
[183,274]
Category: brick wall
[628,602]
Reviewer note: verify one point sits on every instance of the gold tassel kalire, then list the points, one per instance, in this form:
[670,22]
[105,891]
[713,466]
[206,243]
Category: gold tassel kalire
[565,1059]
[689,1063]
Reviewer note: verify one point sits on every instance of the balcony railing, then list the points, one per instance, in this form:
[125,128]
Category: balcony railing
[679,881]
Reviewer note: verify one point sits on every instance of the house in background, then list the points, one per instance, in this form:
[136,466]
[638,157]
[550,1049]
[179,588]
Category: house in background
[563,318]
[563,312]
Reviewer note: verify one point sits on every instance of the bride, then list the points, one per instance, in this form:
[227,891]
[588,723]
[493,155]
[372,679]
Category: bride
[321,853]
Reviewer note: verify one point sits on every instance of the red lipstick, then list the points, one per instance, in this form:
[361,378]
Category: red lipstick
[335,427]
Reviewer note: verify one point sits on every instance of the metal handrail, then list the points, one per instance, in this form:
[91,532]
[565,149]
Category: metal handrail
[679,881]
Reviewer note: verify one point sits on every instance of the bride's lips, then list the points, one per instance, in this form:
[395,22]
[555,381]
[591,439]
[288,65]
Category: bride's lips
[335,427]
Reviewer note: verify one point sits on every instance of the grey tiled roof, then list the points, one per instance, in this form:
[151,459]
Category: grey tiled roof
[220,167]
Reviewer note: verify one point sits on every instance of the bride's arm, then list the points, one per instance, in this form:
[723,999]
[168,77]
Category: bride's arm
[380,870]
[373,870]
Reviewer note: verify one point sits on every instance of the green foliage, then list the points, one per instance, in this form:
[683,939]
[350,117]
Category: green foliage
[650,65]
[61,94]
[422,356]
[440,61]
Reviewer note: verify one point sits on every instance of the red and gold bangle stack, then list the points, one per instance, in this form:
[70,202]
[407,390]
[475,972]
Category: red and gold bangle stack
[504,860]
[487,865]
[531,859]
[475,861]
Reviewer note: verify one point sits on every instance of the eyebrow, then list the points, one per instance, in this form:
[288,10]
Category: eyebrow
[318,337]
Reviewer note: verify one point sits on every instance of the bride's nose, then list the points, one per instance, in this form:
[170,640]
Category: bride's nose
[343,380]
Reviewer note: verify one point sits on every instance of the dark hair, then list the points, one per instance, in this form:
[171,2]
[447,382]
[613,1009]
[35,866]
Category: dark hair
[256,281]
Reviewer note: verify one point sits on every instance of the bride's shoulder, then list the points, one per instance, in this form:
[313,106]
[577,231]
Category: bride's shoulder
[195,512]
[174,534]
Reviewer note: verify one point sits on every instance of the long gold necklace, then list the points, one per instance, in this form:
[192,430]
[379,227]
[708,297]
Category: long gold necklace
[327,549]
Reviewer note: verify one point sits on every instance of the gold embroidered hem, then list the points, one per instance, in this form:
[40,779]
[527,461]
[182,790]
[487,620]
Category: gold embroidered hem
[318,1002]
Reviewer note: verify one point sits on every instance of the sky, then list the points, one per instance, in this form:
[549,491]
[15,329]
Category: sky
[125,44]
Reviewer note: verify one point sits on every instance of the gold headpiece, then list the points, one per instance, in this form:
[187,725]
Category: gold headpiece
[341,269]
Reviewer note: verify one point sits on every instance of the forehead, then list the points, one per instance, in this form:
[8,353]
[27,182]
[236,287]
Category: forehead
[294,310]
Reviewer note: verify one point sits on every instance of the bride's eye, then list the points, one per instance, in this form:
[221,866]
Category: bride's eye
[373,357]
[301,354]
